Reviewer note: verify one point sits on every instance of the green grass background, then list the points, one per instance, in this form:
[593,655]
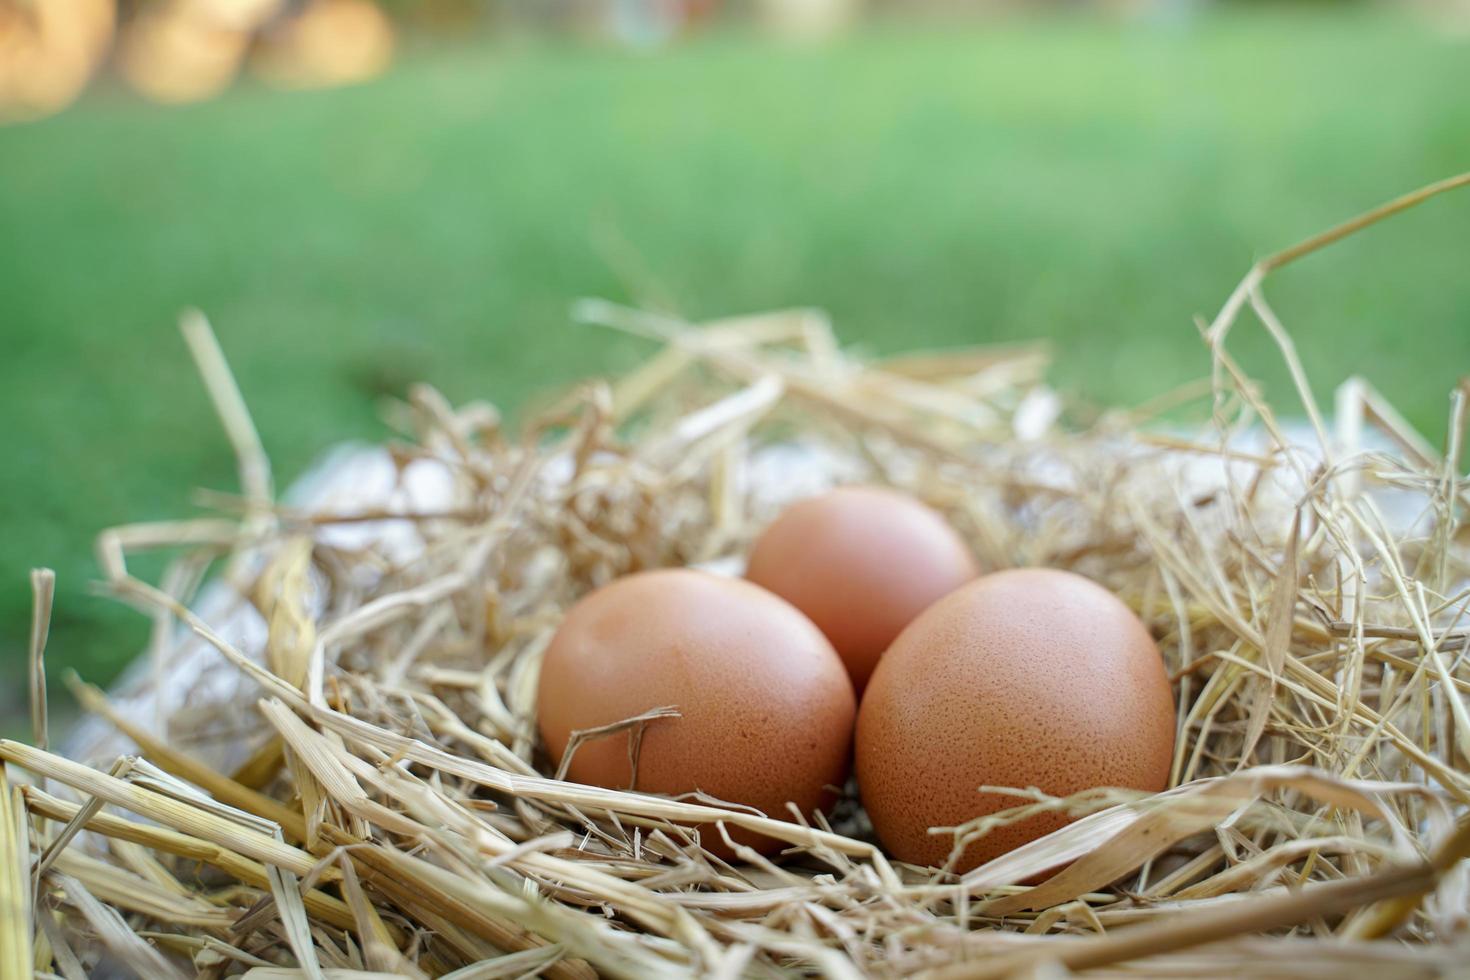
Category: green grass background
[1087,182]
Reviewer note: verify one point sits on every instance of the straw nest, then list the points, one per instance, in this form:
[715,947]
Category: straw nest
[393,815]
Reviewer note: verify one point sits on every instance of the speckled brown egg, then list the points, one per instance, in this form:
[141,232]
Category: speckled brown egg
[766,709]
[862,562]
[1022,678]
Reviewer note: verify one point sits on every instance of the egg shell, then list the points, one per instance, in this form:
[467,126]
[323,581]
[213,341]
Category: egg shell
[1022,678]
[862,562]
[766,709]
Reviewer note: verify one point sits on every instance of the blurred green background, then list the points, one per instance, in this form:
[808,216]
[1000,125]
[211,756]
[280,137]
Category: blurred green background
[1087,180]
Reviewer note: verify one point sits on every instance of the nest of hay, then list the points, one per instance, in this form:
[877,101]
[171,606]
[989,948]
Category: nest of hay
[353,786]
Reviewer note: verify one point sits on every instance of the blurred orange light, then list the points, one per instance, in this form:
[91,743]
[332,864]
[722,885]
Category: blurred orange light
[330,42]
[48,51]
[171,54]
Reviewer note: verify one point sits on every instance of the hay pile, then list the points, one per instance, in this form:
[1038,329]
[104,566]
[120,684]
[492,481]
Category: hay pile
[391,814]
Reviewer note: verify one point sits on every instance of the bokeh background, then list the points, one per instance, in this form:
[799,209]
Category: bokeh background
[364,194]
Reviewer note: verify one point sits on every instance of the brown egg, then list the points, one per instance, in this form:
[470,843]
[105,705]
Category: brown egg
[766,710]
[1023,678]
[862,562]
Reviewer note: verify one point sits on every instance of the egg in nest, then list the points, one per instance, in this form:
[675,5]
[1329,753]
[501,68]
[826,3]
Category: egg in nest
[765,707]
[1022,678]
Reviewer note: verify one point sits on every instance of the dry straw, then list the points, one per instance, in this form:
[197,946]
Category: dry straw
[394,816]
